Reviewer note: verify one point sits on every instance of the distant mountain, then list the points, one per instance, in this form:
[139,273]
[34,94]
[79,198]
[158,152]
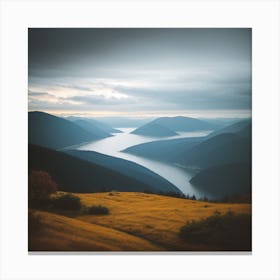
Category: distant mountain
[222,122]
[223,158]
[154,130]
[123,121]
[91,128]
[242,128]
[76,175]
[95,124]
[127,168]
[183,124]
[225,180]
[164,150]
[53,132]
[201,152]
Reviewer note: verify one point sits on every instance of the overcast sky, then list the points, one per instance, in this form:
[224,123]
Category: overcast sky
[140,72]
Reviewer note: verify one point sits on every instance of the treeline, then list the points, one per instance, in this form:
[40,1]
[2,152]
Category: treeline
[238,198]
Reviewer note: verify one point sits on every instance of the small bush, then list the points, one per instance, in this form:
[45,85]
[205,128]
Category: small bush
[67,202]
[98,210]
[229,232]
[34,223]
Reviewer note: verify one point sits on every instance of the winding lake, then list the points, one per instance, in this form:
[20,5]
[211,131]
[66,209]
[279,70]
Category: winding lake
[177,176]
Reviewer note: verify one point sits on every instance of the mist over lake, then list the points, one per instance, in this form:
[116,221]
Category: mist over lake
[174,174]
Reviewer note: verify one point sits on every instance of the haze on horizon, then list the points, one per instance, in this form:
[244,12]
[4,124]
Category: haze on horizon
[107,72]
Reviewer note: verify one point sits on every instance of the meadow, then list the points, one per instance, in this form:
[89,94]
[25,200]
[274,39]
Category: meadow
[135,222]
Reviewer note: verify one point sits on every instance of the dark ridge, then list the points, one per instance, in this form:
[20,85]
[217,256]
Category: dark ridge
[127,168]
[75,175]
[53,132]
[225,180]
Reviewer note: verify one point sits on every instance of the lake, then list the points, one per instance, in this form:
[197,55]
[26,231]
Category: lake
[112,146]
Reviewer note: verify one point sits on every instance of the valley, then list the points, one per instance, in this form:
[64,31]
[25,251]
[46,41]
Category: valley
[129,192]
[139,139]
[176,175]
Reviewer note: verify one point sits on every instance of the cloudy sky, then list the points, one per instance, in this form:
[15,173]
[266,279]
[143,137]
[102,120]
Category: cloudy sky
[140,72]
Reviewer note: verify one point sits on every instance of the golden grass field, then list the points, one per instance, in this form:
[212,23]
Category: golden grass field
[137,222]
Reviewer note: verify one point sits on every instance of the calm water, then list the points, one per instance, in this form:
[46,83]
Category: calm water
[113,145]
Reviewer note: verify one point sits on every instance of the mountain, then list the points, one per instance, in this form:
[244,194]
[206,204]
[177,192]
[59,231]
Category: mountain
[183,124]
[154,130]
[221,122]
[221,149]
[105,127]
[202,152]
[91,128]
[76,175]
[242,128]
[126,168]
[95,124]
[199,152]
[223,158]
[225,180]
[55,133]
[164,150]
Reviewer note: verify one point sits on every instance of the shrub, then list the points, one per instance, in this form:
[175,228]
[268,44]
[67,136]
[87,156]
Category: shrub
[40,187]
[229,232]
[193,197]
[98,210]
[34,223]
[67,202]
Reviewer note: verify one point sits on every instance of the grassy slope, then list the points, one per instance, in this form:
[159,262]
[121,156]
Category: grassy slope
[62,233]
[151,222]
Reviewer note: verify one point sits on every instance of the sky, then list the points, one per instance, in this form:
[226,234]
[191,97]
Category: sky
[144,72]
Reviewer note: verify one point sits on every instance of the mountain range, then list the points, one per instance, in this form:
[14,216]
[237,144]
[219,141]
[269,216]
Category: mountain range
[222,159]
[92,124]
[168,126]
[227,145]
[54,132]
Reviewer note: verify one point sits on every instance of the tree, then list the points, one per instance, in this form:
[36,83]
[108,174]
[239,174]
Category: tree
[40,187]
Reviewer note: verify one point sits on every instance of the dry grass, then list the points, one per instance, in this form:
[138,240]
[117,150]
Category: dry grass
[137,222]
[61,233]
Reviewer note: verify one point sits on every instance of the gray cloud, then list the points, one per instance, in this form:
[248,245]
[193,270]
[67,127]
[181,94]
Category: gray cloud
[34,93]
[152,69]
